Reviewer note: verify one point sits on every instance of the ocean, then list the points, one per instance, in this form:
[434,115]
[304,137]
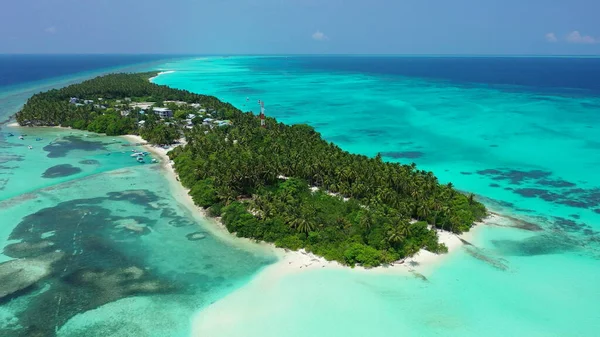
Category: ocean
[126,255]
[520,132]
[523,133]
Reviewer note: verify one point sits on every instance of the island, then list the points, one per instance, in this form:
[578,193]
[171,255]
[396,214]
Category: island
[277,183]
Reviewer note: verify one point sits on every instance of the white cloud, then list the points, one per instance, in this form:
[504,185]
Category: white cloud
[550,37]
[50,30]
[576,37]
[319,36]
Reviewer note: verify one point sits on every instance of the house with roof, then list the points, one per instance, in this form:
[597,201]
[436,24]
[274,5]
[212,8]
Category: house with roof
[163,112]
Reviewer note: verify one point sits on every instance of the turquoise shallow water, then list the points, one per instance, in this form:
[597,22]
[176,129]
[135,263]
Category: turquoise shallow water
[130,267]
[526,151]
[128,258]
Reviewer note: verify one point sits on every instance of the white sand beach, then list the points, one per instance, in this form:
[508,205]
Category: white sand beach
[297,261]
[161,73]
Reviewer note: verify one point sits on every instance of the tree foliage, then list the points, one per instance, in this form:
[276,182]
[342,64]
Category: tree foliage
[360,210]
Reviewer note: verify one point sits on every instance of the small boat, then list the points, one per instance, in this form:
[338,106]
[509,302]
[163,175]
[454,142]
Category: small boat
[30,147]
[145,153]
[38,139]
[155,160]
[21,137]
[10,134]
[134,154]
[140,159]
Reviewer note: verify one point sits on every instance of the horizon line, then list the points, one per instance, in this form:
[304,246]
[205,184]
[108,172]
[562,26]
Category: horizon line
[300,54]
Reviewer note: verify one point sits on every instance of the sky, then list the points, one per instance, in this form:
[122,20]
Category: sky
[521,27]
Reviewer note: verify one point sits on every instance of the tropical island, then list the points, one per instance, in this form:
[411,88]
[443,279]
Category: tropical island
[278,183]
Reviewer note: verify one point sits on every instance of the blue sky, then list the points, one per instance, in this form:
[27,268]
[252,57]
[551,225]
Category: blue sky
[301,26]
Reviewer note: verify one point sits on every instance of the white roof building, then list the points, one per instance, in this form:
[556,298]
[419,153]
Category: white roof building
[163,112]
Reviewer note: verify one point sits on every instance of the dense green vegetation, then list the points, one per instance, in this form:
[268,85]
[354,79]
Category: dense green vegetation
[281,184]
[52,108]
[237,170]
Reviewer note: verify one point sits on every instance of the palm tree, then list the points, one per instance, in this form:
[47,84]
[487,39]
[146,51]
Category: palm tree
[395,234]
[471,198]
[305,226]
[366,221]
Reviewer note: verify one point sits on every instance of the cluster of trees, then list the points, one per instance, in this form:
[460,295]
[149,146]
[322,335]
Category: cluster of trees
[258,181]
[360,210]
[52,108]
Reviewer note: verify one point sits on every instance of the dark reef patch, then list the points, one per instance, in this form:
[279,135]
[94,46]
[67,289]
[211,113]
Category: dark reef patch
[515,177]
[246,90]
[557,191]
[571,226]
[63,170]
[137,197]
[574,216]
[519,223]
[494,185]
[89,162]
[479,254]
[61,147]
[74,251]
[555,183]
[402,154]
[466,173]
[25,249]
[372,132]
[493,145]
[536,245]
[195,236]
[341,139]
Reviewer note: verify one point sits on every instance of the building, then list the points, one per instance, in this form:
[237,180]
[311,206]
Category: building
[73,100]
[178,103]
[191,116]
[124,113]
[142,105]
[163,112]
[88,101]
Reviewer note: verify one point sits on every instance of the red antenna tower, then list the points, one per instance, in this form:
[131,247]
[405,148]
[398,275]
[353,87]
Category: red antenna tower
[262,114]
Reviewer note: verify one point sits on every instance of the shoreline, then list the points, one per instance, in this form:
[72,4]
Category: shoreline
[160,73]
[301,260]
[297,261]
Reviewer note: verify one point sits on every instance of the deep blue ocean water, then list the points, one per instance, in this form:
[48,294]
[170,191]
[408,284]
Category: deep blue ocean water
[17,69]
[555,74]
